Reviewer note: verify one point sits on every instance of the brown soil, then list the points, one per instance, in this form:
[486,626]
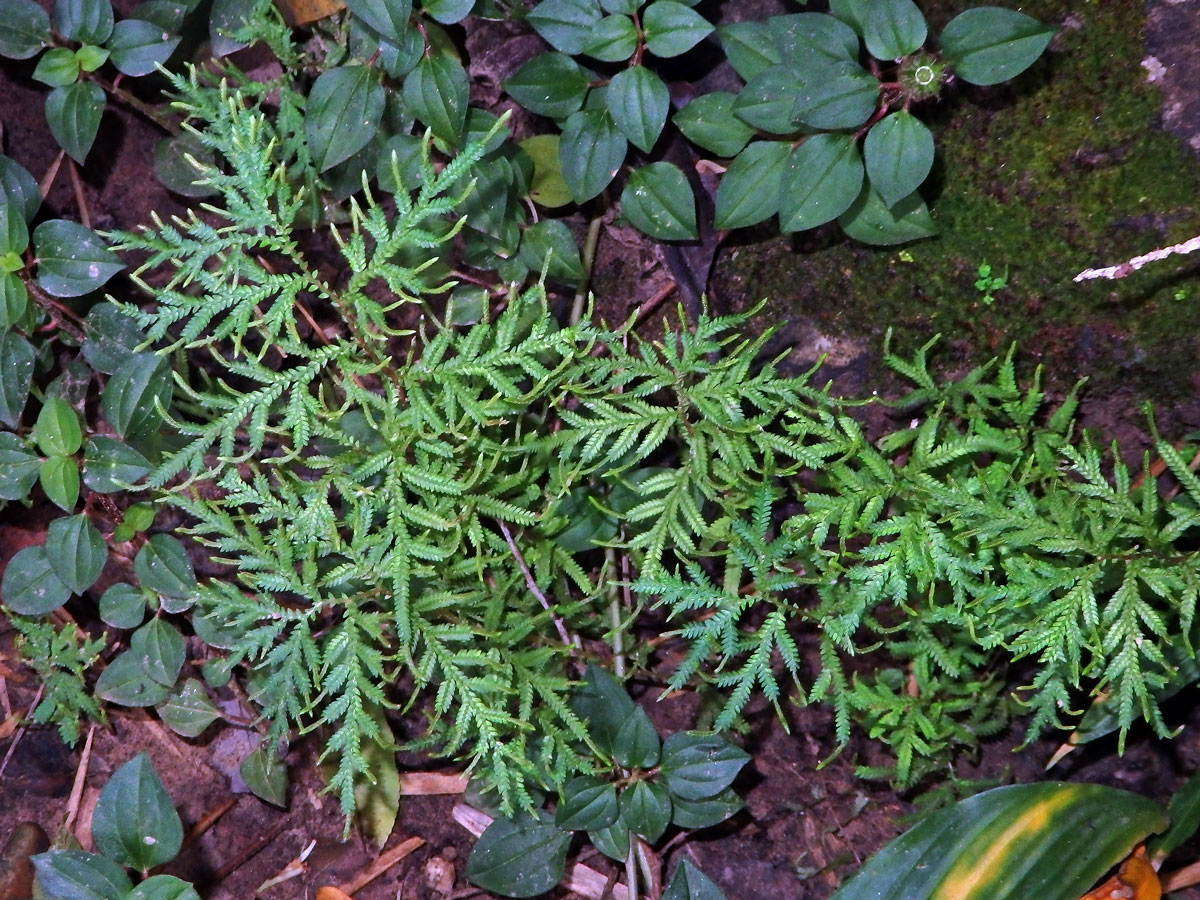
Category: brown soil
[805,826]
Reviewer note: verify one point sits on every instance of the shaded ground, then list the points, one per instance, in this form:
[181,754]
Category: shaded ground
[804,827]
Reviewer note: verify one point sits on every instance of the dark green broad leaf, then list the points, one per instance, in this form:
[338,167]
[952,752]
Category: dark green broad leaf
[520,857]
[853,12]
[59,477]
[689,883]
[16,375]
[84,21]
[591,150]
[58,67]
[126,681]
[162,565]
[749,190]
[225,19]
[73,114]
[566,24]
[693,814]
[110,337]
[824,176]
[841,95]
[110,466]
[76,875]
[134,393]
[344,108]
[76,550]
[768,100]
[163,887]
[612,841]
[436,93]
[990,44]
[806,39]
[123,606]
[658,201]
[18,468]
[750,47]
[603,702]
[709,122]
[448,12]
[175,165]
[138,517]
[388,17]
[18,186]
[57,431]
[549,244]
[1184,813]
[134,822]
[24,29]
[550,84]
[872,221]
[72,260]
[30,586]
[899,154]
[613,39]
[14,233]
[697,765]
[620,7]
[646,809]
[188,711]
[894,28]
[1051,840]
[399,166]
[159,646]
[590,524]
[672,29]
[639,102]
[637,745]
[138,48]
[586,804]
[14,300]
[166,14]
[266,776]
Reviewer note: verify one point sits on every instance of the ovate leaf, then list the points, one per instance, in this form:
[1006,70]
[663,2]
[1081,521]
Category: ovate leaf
[30,585]
[163,887]
[188,711]
[162,565]
[76,875]
[646,809]
[894,28]
[14,300]
[138,48]
[58,67]
[266,776]
[16,184]
[134,394]
[586,804]
[824,176]
[750,47]
[603,703]
[135,823]
[709,122]
[57,431]
[812,39]
[436,93]
[899,154]
[126,681]
[159,647]
[377,796]
[989,44]
[636,745]
[698,765]
[388,17]
[520,857]
[72,260]
[24,29]
[689,883]
[839,95]
[111,337]
[73,114]
[123,606]
[768,99]
[549,244]
[693,814]
[110,465]
[638,101]
[84,21]
[658,201]
[16,375]
[76,550]
[672,29]
[565,24]
[872,221]
[550,84]
[344,108]
[173,165]
[614,39]
[591,150]
[749,190]
[547,187]
[59,477]
[18,468]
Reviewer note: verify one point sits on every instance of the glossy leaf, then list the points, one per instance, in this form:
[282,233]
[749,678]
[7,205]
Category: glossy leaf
[388,17]
[30,585]
[448,12]
[166,14]
[620,7]
[58,432]
[749,190]
[126,681]
[842,95]
[613,39]
[565,24]
[163,887]
[84,21]
[672,29]
[138,517]
[989,44]
[123,606]
[16,375]
[547,186]
[18,186]
[159,646]
[188,710]
[646,809]
[639,102]
[111,337]
[586,804]
[73,114]
[399,166]
[813,37]
[637,745]
[894,28]
[76,875]
[520,857]
[768,100]
[436,92]
[709,122]
[14,300]
[749,47]
[898,152]
[549,244]
[1184,814]
[24,29]
[698,765]
[58,67]
[134,393]
[18,468]
[550,84]
[591,150]
[658,201]
[59,477]
[14,233]
[689,883]
[604,704]
[853,12]
[162,565]
[872,221]
[693,814]
[76,550]
[824,176]
[612,841]
[72,260]
[138,48]
[134,822]
[91,58]
[266,776]
[1051,840]
[174,168]
[110,466]
[344,109]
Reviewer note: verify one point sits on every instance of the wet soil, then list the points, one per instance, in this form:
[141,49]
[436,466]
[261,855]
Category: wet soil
[806,825]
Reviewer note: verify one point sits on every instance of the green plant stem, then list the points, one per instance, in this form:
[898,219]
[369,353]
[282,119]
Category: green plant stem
[589,258]
[631,875]
[614,612]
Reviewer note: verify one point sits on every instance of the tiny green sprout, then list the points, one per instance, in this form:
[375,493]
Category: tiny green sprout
[1182,293]
[987,282]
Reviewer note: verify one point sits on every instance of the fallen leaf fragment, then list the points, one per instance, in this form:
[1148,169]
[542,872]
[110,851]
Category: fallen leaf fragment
[301,12]
[329,892]
[1135,880]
